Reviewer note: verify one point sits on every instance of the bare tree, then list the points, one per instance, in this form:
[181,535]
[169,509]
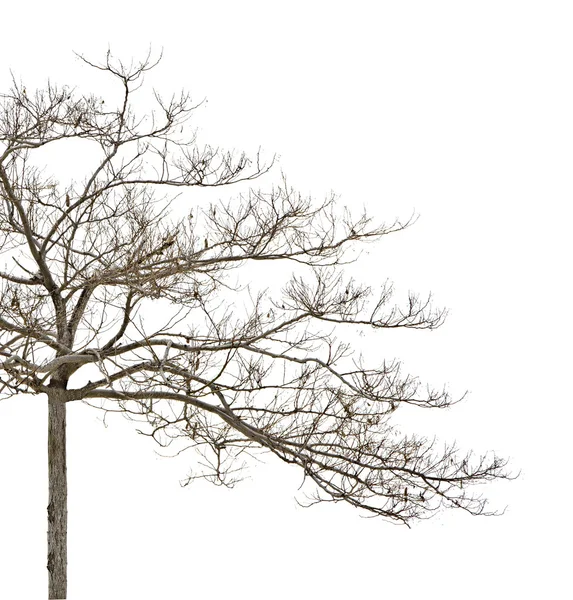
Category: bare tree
[231,368]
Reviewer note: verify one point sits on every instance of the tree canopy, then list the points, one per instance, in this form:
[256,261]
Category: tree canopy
[110,296]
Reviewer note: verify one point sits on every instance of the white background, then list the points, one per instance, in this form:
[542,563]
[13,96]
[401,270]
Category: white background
[460,111]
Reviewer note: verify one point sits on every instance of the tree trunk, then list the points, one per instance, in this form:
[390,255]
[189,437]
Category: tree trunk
[58,495]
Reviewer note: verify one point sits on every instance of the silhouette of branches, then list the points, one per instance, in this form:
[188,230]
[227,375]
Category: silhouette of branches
[106,292]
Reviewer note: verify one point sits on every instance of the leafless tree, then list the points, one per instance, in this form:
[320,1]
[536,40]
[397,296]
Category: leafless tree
[90,267]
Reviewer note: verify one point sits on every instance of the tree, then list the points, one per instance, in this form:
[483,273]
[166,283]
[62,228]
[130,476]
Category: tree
[231,369]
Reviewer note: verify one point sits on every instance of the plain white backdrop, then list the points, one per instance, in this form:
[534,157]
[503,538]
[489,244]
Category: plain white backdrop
[460,111]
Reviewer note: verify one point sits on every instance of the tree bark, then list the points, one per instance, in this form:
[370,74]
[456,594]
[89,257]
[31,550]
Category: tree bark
[58,495]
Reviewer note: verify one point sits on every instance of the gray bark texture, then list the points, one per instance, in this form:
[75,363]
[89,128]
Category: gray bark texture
[58,495]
